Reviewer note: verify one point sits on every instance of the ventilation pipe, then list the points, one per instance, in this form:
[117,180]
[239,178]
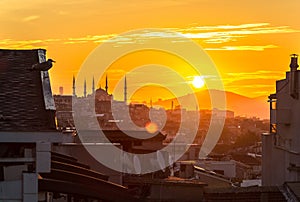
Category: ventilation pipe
[293,76]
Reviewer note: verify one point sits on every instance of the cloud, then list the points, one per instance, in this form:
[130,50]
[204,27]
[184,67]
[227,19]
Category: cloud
[259,83]
[89,38]
[217,34]
[15,44]
[248,81]
[225,27]
[262,74]
[30,18]
[227,33]
[243,48]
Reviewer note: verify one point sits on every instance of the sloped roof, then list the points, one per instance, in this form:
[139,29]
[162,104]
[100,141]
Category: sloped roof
[246,159]
[72,177]
[294,189]
[22,92]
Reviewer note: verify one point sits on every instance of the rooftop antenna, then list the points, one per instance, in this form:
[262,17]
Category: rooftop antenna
[74,87]
[84,88]
[106,84]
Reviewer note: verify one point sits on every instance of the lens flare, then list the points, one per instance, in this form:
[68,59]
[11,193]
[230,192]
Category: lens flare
[151,127]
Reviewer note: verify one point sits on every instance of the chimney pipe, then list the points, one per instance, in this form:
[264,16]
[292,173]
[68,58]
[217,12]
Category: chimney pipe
[293,76]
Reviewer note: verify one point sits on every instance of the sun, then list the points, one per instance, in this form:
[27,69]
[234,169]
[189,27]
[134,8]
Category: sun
[198,82]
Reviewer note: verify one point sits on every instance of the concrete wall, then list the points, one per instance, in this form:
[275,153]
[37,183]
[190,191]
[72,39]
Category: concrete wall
[281,159]
[229,167]
[212,181]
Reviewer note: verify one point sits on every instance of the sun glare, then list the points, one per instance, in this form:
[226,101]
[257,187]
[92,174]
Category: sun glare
[198,82]
[151,127]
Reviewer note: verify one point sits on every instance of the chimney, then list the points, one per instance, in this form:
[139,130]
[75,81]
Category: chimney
[61,90]
[294,62]
[293,76]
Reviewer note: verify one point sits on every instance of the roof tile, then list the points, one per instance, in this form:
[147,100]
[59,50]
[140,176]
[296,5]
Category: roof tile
[22,105]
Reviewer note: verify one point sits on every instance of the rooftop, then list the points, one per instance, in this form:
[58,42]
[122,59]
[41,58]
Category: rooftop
[25,95]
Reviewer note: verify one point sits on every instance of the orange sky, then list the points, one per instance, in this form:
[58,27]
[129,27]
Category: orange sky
[249,41]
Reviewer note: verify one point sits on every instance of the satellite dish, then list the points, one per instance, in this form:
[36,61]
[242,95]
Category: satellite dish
[161,160]
[137,164]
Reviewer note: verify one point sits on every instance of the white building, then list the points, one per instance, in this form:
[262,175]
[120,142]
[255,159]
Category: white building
[281,147]
[231,169]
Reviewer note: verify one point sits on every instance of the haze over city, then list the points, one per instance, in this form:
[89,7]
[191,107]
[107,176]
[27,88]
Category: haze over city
[144,100]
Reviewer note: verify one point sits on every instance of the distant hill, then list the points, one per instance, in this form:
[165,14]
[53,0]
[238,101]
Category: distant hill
[241,105]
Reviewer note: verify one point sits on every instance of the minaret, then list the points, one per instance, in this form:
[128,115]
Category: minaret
[125,90]
[93,86]
[74,87]
[84,88]
[106,85]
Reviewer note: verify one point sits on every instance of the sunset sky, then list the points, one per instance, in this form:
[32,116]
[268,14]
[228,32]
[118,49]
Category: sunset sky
[248,40]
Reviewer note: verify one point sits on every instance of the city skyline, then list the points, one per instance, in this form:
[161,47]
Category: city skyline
[248,41]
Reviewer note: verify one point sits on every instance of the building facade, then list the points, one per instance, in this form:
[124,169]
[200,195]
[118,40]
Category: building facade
[30,170]
[281,147]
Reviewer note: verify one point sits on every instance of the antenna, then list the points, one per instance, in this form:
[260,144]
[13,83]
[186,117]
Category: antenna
[106,84]
[74,87]
[84,88]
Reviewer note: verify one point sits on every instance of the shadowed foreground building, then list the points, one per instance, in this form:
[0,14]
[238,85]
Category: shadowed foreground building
[29,169]
[281,147]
